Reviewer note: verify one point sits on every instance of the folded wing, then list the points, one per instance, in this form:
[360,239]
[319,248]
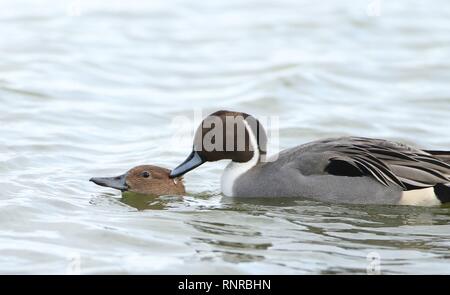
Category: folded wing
[388,162]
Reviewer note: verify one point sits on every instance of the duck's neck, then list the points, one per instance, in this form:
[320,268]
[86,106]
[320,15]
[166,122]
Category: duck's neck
[235,169]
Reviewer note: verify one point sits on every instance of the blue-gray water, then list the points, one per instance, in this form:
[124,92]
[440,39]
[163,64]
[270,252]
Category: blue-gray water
[90,88]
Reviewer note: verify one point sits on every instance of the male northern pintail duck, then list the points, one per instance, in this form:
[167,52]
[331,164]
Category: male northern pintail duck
[346,170]
[146,180]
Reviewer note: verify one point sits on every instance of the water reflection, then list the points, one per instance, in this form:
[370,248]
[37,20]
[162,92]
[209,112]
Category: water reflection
[148,202]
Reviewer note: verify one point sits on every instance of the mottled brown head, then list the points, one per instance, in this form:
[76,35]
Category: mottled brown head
[225,135]
[146,180]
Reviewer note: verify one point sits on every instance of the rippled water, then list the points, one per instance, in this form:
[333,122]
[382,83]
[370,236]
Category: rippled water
[90,88]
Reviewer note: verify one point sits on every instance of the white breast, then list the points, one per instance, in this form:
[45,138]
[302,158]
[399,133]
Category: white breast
[420,197]
[234,170]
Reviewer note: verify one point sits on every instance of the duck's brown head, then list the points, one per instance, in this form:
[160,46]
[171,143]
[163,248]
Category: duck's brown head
[225,135]
[146,179]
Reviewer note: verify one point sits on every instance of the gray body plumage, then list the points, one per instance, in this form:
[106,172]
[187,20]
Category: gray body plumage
[348,169]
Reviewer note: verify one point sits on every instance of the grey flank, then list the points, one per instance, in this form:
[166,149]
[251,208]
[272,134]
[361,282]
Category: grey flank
[347,169]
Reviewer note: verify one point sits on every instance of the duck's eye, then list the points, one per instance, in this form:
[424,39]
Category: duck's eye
[145,174]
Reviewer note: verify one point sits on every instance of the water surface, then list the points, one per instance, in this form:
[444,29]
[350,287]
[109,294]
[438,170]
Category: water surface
[90,88]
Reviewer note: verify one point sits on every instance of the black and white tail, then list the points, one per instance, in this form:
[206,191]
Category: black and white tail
[442,191]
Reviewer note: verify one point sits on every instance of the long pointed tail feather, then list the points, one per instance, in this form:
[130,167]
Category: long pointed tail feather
[441,155]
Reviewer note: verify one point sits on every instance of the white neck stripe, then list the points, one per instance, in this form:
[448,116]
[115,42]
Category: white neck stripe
[234,170]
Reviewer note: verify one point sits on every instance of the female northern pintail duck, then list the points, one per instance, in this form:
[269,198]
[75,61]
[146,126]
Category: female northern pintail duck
[146,180]
[347,169]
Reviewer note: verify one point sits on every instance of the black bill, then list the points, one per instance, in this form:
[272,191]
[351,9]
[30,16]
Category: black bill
[118,182]
[193,161]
